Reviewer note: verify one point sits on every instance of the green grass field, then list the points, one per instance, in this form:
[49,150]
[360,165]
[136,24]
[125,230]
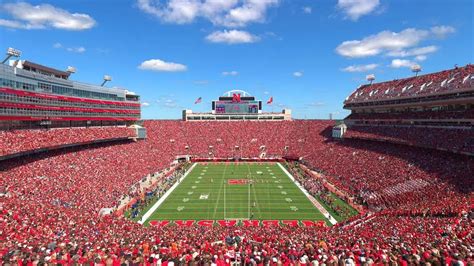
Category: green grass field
[261,191]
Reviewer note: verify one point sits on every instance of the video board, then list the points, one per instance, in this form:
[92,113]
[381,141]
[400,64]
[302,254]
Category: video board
[243,107]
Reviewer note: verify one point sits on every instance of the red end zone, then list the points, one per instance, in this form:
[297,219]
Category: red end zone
[244,223]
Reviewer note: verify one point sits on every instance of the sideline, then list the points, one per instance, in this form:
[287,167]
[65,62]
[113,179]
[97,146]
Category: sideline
[165,196]
[311,198]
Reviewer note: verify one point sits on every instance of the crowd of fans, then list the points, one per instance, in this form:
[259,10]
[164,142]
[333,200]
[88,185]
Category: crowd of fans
[414,115]
[431,123]
[16,141]
[454,79]
[152,192]
[397,176]
[422,199]
[317,189]
[245,139]
[452,139]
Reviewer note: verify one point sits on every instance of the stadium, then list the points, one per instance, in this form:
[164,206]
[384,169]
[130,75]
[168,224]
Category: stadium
[86,180]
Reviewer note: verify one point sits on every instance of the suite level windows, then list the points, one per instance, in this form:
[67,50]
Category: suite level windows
[49,88]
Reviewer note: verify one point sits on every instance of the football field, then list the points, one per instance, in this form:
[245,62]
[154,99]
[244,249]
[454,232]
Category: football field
[236,191]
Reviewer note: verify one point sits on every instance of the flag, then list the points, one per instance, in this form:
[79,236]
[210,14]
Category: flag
[270,100]
[198,100]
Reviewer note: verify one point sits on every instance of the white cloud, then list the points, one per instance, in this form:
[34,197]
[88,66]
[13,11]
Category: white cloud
[176,11]
[414,52]
[387,42]
[442,31]
[12,24]
[355,9]
[26,16]
[145,104]
[168,101]
[230,73]
[273,35]
[229,13]
[398,63]
[381,42]
[78,50]
[307,10]
[250,11]
[232,37]
[360,68]
[214,7]
[160,65]
[298,74]
[420,57]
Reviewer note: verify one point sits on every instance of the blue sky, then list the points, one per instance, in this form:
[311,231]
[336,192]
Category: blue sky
[308,55]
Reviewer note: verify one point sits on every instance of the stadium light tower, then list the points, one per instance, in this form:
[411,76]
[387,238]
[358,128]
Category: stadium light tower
[370,78]
[71,69]
[11,52]
[416,69]
[106,78]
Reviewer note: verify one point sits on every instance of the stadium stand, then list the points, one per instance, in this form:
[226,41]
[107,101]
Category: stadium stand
[431,111]
[450,139]
[69,168]
[413,116]
[37,96]
[394,176]
[441,83]
[51,201]
[18,141]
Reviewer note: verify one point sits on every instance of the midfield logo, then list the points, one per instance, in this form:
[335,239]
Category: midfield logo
[237,181]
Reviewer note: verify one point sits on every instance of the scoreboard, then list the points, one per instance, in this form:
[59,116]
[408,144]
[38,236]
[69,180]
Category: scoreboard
[236,105]
[242,107]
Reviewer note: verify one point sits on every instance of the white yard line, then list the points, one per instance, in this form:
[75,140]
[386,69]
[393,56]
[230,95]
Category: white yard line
[255,195]
[219,193]
[165,196]
[311,198]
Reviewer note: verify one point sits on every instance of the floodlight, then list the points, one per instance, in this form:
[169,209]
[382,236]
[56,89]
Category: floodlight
[71,69]
[11,52]
[370,78]
[106,78]
[416,68]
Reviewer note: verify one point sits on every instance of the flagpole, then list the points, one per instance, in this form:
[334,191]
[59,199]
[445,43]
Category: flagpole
[270,102]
